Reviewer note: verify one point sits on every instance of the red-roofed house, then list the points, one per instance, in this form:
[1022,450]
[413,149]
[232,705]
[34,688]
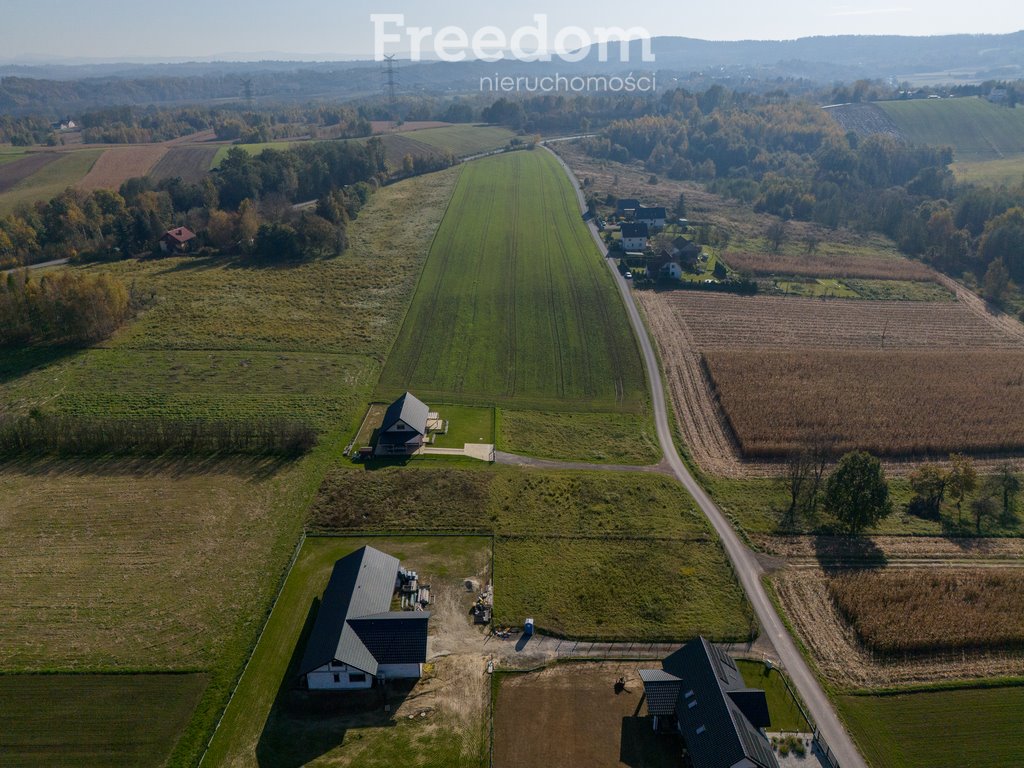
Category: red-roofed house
[176,240]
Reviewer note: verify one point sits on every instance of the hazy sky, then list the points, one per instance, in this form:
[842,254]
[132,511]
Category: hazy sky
[130,28]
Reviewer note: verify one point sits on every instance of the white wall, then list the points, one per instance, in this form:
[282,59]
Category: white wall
[323,678]
[634,243]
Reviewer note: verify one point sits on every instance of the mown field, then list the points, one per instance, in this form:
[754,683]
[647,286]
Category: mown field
[619,438]
[463,140]
[784,712]
[915,611]
[116,165]
[50,180]
[514,305]
[1008,171]
[971,727]
[974,127]
[892,402]
[267,726]
[104,720]
[570,546]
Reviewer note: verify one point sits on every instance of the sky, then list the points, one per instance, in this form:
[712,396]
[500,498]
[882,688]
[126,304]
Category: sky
[112,29]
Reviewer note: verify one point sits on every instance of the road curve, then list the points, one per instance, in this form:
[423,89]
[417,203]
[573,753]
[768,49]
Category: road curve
[743,560]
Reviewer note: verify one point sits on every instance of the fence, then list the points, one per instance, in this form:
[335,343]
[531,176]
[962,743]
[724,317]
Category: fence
[825,750]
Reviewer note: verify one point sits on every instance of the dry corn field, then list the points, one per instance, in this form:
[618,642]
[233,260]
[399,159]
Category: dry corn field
[892,403]
[909,611]
[901,378]
[847,662]
[840,264]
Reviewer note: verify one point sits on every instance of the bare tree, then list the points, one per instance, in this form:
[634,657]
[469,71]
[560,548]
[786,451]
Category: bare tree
[776,235]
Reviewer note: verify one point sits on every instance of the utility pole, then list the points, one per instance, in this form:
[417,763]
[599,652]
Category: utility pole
[390,82]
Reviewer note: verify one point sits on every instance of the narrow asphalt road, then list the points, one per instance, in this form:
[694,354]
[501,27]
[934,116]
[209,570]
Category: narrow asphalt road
[743,560]
[41,265]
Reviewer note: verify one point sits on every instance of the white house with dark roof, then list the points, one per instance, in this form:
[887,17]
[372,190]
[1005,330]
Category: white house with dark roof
[357,638]
[634,237]
[404,428]
[652,217]
[701,693]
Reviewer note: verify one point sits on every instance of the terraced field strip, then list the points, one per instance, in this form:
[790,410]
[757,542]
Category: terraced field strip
[974,127]
[49,179]
[17,168]
[115,166]
[514,304]
[188,163]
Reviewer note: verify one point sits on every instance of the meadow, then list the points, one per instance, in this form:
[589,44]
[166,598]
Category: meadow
[618,438]
[510,314]
[974,127]
[259,728]
[785,714]
[189,163]
[912,611]
[106,721]
[968,727]
[1008,171]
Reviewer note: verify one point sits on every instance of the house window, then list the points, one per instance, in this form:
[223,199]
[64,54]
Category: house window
[701,730]
[692,704]
[688,694]
[337,677]
[357,678]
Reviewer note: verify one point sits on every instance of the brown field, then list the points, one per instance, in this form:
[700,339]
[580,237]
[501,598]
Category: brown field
[189,163]
[13,173]
[843,659]
[570,715]
[115,166]
[890,402]
[906,611]
[841,262]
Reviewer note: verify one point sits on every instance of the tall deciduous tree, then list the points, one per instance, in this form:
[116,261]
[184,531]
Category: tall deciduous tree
[857,492]
[963,479]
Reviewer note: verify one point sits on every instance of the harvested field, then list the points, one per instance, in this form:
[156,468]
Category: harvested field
[570,715]
[920,612]
[840,263]
[47,180]
[15,171]
[845,661]
[892,403]
[190,164]
[115,166]
[389,126]
[865,120]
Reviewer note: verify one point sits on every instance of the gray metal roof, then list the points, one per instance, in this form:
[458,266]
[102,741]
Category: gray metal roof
[355,605]
[661,690]
[726,735]
[407,408]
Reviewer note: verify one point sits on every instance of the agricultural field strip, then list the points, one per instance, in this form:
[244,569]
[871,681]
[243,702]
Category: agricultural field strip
[20,167]
[467,316]
[116,165]
[50,180]
[189,163]
[975,128]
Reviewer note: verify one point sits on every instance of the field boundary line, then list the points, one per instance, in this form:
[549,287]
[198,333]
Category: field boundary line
[277,596]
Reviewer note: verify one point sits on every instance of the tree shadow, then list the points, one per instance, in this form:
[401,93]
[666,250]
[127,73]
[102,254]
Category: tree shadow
[304,725]
[837,553]
[15,363]
[641,747]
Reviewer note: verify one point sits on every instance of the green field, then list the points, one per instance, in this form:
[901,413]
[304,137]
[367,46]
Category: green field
[461,140]
[975,128]
[619,438]
[818,288]
[971,728]
[571,545]
[66,171]
[466,424]
[515,305]
[260,729]
[785,714]
[1008,171]
[10,154]
[93,720]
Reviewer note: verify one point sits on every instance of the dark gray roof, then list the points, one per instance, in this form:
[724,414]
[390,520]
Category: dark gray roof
[661,689]
[627,204]
[726,736]
[354,617]
[634,230]
[407,408]
[649,213]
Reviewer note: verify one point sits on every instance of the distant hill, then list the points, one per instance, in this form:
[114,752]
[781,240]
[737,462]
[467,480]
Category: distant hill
[976,129]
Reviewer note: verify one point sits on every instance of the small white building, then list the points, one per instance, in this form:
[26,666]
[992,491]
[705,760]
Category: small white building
[357,638]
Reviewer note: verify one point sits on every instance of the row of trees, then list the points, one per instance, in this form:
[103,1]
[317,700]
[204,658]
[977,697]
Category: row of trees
[63,308]
[932,485]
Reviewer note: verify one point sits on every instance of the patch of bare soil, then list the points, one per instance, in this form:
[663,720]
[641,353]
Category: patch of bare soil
[13,173]
[845,662]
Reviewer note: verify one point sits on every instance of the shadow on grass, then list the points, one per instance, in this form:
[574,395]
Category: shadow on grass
[641,747]
[304,725]
[15,363]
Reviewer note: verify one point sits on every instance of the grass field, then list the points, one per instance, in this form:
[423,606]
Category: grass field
[66,171]
[10,154]
[973,727]
[619,438]
[259,729]
[189,163]
[975,128]
[820,287]
[1007,170]
[466,424]
[513,314]
[785,714]
[571,544]
[93,721]
[463,140]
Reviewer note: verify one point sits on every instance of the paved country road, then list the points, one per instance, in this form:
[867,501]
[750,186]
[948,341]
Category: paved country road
[54,263]
[743,559]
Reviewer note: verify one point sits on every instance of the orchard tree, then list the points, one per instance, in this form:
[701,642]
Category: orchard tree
[857,492]
[928,482]
[963,479]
